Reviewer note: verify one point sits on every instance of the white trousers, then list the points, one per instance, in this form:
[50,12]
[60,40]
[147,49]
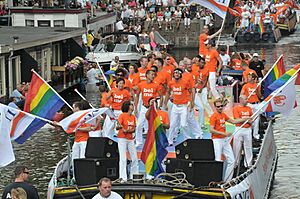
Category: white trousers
[78,150]
[212,84]
[243,136]
[142,123]
[193,126]
[256,20]
[125,145]
[222,146]
[255,124]
[178,119]
[109,125]
[202,104]
[187,21]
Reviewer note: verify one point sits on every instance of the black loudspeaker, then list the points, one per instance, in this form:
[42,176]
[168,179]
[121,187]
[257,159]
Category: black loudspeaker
[100,147]
[198,173]
[90,171]
[196,149]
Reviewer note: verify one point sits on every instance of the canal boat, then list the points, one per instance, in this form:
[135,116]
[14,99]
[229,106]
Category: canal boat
[269,36]
[183,180]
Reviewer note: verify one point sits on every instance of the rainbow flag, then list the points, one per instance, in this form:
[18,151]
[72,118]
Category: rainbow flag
[41,100]
[154,150]
[261,28]
[276,71]
[284,78]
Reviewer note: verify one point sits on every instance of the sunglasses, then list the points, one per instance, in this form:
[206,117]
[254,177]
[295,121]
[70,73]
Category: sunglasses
[221,106]
[26,172]
[119,74]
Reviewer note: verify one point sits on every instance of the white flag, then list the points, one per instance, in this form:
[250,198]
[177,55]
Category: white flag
[284,102]
[6,151]
[219,7]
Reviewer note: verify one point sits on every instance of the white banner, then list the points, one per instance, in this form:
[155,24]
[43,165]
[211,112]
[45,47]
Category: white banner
[219,7]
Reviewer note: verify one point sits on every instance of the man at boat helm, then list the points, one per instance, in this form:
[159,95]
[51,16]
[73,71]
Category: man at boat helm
[221,138]
[105,190]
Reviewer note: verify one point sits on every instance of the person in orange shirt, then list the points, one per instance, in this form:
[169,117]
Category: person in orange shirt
[145,91]
[121,73]
[203,37]
[253,94]
[167,66]
[151,58]
[213,61]
[132,77]
[220,137]
[181,92]
[162,77]
[246,72]
[143,69]
[244,134]
[117,96]
[81,134]
[201,101]
[126,127]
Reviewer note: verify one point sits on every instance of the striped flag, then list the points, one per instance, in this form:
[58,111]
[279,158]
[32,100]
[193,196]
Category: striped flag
[154,150]
[261,28]
[219,7]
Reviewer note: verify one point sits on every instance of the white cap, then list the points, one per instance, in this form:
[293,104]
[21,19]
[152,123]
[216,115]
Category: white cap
[255,55]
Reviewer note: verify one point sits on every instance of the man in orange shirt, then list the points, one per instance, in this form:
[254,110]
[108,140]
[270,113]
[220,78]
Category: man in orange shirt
[221,139]
[126,126]
[181,92]
[143,69]
[120,73]
[243,135]
[167,65]
[253,94]
[246,72]
[148,89]
[213,61]
[117,96]
[203,37]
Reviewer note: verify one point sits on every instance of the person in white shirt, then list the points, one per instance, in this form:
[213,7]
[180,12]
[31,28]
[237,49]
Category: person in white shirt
[246,15]
[257,14]
[225,58]
[93,78]
[120,25]
[105,190]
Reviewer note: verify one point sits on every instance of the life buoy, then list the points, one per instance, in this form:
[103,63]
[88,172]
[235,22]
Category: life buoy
[256,36]
[265,36]
[248,36]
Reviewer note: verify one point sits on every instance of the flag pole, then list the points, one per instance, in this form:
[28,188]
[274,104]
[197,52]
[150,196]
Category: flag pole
[222,27]
[83,97]
[265,76]
[102,73]
[32,70]
[256,113]
[35,116]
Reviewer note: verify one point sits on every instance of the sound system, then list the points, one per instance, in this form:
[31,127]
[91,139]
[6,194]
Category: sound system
[195,149]
[101,147]
[198,172]
[89,171]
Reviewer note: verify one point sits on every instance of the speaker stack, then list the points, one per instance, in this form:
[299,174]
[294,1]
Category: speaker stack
[195,157]
[102,160]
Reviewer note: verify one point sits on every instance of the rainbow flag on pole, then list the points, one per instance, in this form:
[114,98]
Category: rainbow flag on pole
[261,28]
[284,78]
[41,100]
[275,72]
[154,150]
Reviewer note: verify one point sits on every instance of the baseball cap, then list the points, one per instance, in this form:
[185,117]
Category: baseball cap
[255,55]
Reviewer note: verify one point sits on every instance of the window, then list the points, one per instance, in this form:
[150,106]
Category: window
[14,73]
[56,55]
[46,61]
[44,23]
[2,76]
[29,22]
[59,23]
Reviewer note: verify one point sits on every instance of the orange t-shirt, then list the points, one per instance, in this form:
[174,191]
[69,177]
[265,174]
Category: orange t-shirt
[81,136]
[242,112]
[118,97]
[164,117]
[126,120]
[203,75]
[217,121]
[189,79]
[236,64]
[211,60]
[142,74]
[247,89]
[162,78]
[202,47]
[180,91]
[149,65]
[172,60]
[246,73]
[133,79]
[148,90]
[104,101]
[169,69]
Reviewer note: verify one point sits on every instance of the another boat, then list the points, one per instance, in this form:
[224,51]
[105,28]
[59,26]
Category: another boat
[107,50]
[269,36]
[288,24]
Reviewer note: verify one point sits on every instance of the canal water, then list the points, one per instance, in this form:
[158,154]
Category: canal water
[45,148]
